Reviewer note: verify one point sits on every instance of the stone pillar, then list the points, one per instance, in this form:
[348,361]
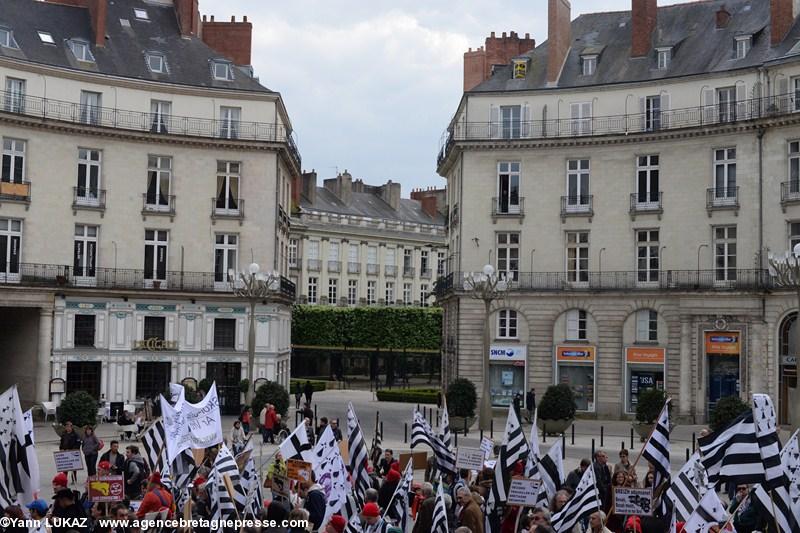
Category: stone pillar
[44,352]
[758,366]
[686,368]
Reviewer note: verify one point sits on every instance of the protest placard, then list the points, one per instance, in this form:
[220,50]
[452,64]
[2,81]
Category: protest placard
[487,445]
[298,470]
[523,492]
[633,501]
[67,460]
[469,458]
[106,488]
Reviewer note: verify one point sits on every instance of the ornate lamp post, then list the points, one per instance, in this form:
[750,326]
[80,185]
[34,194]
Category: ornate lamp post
[255,286]
[486,286]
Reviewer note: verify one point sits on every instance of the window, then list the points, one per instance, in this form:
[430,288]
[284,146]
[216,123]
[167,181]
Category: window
[15,96]
[312,290]
[407,259]
[84,331]
[159,178]
[140,14]
[229,122]
[7,38]
[155,255]
[581,113]
[794,166]
[88,190]
[664,58]
[224,333]
[796,92]
[372,255]
[794,235]
[391,256]
[221,70]
[726,104]
[333,251]
[371,286]
[84,259]
[352,253]
[506,324]
[743,46]
[647,174]
[157,63]
[293,249]
[577,184]
[423,295]
[508,256]
[646,325]
[389,292]
[81,51]
[155,327]
[647,256]
[352,292]
[333,291]
[13,169]
[510,115]
[46,38]
[10,248]
[407,294]
[578,256]
[228,186]
[576,325]
[90,107]
[508,187]
[652,112]
[725,175]
[725,253]
[441,264]
[589,65]
[226,249]
[159,119]
[424,261]
[313,250]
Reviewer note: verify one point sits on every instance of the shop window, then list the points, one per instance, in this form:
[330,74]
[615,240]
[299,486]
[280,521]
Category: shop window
[84,330]
[507,324]
[576,325]
[646,326]
[225,334]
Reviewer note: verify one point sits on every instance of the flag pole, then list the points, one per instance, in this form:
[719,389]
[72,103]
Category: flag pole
[733,513]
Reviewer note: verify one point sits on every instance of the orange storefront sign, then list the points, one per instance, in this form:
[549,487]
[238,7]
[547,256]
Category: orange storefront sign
[722,342]
[575,354]
[641,354]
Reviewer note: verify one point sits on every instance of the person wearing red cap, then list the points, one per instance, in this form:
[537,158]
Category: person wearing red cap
[60,481]
[336,524]
[633,525]
[373,523]
[157,498]
[386,491]
[103,468]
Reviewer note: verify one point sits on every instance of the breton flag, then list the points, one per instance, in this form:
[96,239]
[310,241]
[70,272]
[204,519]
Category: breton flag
[421,433]
[397,510]
[251,483]
[551,472]
[154,443]
[444,426]
[733,453]
[688,488]
[768,443]
[498,494]
[296,445]
[514,439]
[786,498]
[710,512]
[325,445]
[656,451]
[358,456]
[585,501]
[225,467]
[23,465]
[531,467]
[514,448]
[332,476]
[439,522]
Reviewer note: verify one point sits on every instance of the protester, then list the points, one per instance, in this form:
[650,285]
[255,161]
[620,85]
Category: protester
[649,479]
[337,433]
[471,515]
[596,521]
[371,515]
[298,516]
[602,475]
[574,477]
[517,402]
[745,514]
[60,481]
[633,525]
[124,419]
[237,437]
[135,472]
[298,396]
[337,524]
[624,465]
[70,441]
[246,418]
[540,517]
[390,483]
[313,496]
[90,447]
[66,507]
[270,421]
[308,390]
[116,459]
[157,498]
[15,513]
[530,403]
[559,500]
[323,425]
[386,463]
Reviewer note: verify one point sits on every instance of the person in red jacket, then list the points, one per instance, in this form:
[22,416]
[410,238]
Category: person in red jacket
[157,498]
[270,421]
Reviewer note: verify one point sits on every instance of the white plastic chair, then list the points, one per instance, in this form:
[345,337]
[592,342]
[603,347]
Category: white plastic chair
[49,408]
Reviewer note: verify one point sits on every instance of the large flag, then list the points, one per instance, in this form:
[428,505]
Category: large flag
[532,467]
[154,444]
[296,445]
[422,434]
[251,483]
[784,502]
[325,445]
[358,456]
[687,489]
[23,465]
[551,472]
[332,476]
[444,426]
[397,510]
[439,522]
[225,467]
[514,439]
[733,453]
[768,443]
[499,491]
[656,451]
[192,425]
[709,512]
[585,501]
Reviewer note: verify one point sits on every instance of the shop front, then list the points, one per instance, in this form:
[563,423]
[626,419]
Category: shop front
[575,366]
[644,369]
[723,350]
[507,371]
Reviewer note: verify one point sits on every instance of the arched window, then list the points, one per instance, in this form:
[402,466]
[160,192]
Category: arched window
[507,324]
[788,335]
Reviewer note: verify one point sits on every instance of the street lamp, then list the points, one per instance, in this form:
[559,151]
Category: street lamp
[255,286]
[486,286]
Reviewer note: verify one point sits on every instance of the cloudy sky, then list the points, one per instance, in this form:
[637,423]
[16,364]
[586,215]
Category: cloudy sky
[370,86]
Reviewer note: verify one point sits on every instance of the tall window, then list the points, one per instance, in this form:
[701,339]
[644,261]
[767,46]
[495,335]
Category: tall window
[646,325]
[224,333]
[372,255]
[352,253]
[424,257]
[581,113]
[89,161]
[229,118]
[508,187]
[664,58]
[794,166]
[15,96]
[578,256]
[371,286]
[589,64]
[510,116]
[333,251]
[577,184]
[424,292]
[228,176]
[84,259]
[389,292]
[507,324]
[407,299]
[576,325]
[155,327]
[441,264]
[312,290]
[313,250]
[647,174]
[794,234]
[159,119]
[333,291]
[725,174]
[652,112]
[10,251]
[155,254]
[725,253]
[391,256]
[226,249]
[743,46]
[84,331]
[159,179]
[508,255]
[647,260]
[352,292]
[90,107]
[293,249]
[13,169]
[408,262]
[726,104]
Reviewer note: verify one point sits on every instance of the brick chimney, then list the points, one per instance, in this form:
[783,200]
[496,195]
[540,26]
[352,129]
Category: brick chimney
[233,40]
[432,199]
[723,18]
[188,13]
[390,193]
[643,22]
[496,51]
[781,16]
[559,37]
[98,10]
[309,186]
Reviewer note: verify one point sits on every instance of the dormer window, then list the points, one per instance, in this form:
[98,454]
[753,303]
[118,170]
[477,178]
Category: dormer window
[157,63]
[743,44]
[589,64]
[7,38]
[81,50]
[520,69]
[664,58]
[141,14]
[46,38]
[222,70]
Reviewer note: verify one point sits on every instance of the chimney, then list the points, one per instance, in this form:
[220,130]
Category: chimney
[497,51]
[781,16]
[433,200]
[723,17]
[233,40]
[559,37]
[188,13]
[390,193]
[309,189]
[643,22]
[344,186]
[98,10]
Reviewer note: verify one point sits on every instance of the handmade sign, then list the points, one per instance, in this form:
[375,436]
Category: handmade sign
[106,488]
[469,458]
[298,470]
[633,501]
[68,460]
[523,492]
[487,445]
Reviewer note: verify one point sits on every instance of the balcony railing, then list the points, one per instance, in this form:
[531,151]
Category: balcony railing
[503,207]
[390,270]
[88,198]
[158,205]
[408,272]
[63,276]
[15,192]
[353,268]
[633,123]
[232,210]
[314,265]
[790,193]
[645,203]
[722,198]
[108,117]
[577,206]
[373,269]
[426,273]
[334,266]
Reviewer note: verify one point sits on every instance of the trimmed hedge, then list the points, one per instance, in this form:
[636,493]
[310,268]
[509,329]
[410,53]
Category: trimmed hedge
[316,384]
[409,395]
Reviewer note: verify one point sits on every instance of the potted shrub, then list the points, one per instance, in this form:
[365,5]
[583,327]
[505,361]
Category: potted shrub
[648,407]
[461,401]
[78,407]
[274,393]
[726,411]
[243,386]
[556,410]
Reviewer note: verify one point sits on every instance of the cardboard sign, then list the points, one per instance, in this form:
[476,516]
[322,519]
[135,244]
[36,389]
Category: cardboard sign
[280,488]
[420,460]
[68,460]
[469,458]
[106,488]
[523,492]
[487,445]
[298,470]
[631,501]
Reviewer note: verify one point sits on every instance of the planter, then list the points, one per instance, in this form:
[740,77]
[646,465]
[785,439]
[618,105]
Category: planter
[156,285]
[554,427]
[643,430]
[61,280]
[457,423]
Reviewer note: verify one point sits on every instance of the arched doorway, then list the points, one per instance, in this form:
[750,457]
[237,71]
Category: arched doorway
[787,375]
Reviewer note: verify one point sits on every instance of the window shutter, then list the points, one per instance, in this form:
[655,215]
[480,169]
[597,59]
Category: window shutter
[642,325]
[783,94]
[526,120]
[708,102]
[572,324]
[665,107]
[741,101]
[642,113]
[575,110]
[494,118]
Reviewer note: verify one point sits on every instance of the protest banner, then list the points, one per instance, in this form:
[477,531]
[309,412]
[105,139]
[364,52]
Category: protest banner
[298,470]
[523,492]
[487,445]
[190,425]
[469,458]
[633,501]
[68,460]
[106,488]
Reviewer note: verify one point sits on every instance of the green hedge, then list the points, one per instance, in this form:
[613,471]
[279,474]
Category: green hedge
[395,328]
[409,395]
[317,385]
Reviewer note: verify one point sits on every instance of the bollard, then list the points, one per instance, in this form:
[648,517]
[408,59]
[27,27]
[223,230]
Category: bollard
[491,429]
[572,440]
[424,412]
[430,416]
[592,449]
[687,455]
[381,429]
[455,437]
[405,432]
[602,431]
[417,407]
[622,445]
[631,448]
[437,413]
[315,411]
[544,432]
[563,446]
[481,435]
[694,442]
[315,421]
[465,426]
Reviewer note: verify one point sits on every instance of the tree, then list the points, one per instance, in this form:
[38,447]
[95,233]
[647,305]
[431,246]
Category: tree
[78,407]
[274,393]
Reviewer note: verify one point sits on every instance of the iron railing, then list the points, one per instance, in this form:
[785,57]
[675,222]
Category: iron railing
[390,270]
[158,124]
[722,197]
[577,205]
[373,269]
[790,192]
[88,198]
[234,212]
[408,272]
[503,207]
[152,205]
[353,268]
[15,191]
[645,203]
[314,265]
[334,266]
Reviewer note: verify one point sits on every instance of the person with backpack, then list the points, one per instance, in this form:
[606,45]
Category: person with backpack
[156,499]
[136,471]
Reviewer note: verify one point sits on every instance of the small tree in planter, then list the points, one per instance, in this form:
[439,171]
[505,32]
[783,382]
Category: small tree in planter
[648,408]
[205,385]
[556,410]
[726,411]
[78,407]
[274,393]
[461,401]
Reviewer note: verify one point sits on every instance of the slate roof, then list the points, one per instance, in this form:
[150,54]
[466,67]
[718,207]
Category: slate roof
[698,46]
[188,59]
[366,204]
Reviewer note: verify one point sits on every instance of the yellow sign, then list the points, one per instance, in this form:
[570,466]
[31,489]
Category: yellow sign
[155,345]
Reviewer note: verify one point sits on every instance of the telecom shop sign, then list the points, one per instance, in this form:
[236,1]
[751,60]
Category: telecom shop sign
[508,353]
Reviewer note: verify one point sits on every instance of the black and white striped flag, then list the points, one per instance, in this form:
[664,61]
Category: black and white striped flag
[687,488]
[656,451]
[783,503]
[358,456]
[154,443]
[296,445]
[532,465]
[768,443]
[514,439]
[709,512]
[23,464]
[397,510]
[439,521]
[551,472]
[444,426]
[585,501]
[225,466]
[422,434]
[251,483]
[733,453]
[499,492]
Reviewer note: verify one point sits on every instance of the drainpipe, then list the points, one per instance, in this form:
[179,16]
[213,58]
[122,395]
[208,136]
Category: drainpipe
[760,135]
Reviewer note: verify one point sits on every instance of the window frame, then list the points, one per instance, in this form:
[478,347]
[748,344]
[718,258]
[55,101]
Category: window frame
[727,271]
[312,289]
[81,340]
[726,164]
[149,56]
[352,292]
[507,264]
[372,288]
[225,172]
[509,176]
[156,243]
[219,334]
[589,65]
[652,252]
[11,231]
[582,176]
[507,324]
[576,274]
[16,159]
[293,253]
[646,320]
[84,265]
[91,192]
[215,64]
[9,42]
[147,329]
[230,254]
[15,97]
[141,14]
[86,56]
[743,45]
[333,291]
[580,319]
[663,58]
[389,292]
[46,37]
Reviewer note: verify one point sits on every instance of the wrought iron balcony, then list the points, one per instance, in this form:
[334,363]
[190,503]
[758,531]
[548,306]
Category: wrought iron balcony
[353,268]
[15,192]
[577,206]
[790,193]
[231,209]
[408,272]
[314,265]
[722,198]
[373,269]
[334,266]
[503,207]
[158,204]
[646,203]
[88,198]
[390,271]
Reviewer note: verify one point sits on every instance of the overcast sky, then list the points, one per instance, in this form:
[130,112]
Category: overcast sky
[370,86]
